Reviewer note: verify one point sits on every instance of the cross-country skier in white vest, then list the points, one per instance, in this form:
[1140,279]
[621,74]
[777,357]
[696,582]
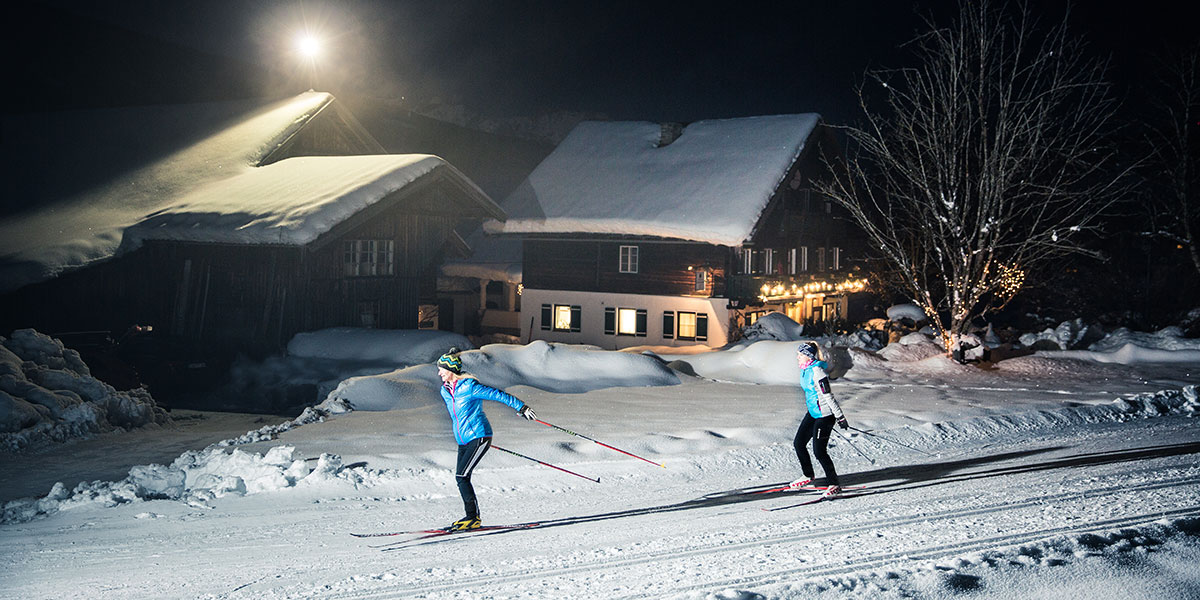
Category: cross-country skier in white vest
[464,397]
[821,414]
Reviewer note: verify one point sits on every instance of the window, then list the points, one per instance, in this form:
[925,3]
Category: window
[802,198]
[768,260]
[836,263]
[629,259]
[368,257]
[791,261]
[820,259]
[802,259]
[747,261]
[692,326]
[368,314]
[562,317]
[625,321]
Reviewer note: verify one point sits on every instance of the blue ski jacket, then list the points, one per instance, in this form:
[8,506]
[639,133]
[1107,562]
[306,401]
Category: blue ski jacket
[817,395]
[464,399]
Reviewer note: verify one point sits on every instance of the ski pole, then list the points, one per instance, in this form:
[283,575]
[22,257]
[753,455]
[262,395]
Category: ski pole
[597,480]
[564,430]
[887,439]
[864,455]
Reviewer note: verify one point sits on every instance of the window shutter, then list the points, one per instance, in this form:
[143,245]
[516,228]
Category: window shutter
[547,316]
[701,327]
[668,325]
[610,321]
[576,318]
[641,322]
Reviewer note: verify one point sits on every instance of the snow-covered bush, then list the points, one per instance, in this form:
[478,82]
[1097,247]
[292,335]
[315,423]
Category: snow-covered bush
[912,312]
[1069,335]
[47,394]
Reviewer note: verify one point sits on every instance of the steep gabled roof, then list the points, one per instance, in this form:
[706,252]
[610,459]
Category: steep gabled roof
[710,184]
[296,200]
[235,150]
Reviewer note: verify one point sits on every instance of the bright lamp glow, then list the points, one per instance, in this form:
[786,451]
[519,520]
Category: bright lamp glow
[308,46]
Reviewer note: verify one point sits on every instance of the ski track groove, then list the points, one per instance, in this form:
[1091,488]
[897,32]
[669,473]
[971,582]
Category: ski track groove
[877,561]
[422,589]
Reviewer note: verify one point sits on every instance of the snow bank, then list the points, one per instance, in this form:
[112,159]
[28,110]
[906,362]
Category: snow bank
[773,326]
[322,360]
[400,347]
[1169,338]
[765,362]
[560,368]
[47,394]
[193,478]
[1184,401]
[1087,342]
[1131,354]
[911,348]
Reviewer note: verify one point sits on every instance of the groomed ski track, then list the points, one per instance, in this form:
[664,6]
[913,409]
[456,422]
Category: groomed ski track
[970,511]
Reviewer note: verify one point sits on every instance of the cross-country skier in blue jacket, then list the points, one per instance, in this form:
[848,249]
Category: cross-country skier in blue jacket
[821,414]
[464,397]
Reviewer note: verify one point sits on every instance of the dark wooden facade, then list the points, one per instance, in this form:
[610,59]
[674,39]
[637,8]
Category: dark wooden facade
[592,265]
[796,218]
[254,298]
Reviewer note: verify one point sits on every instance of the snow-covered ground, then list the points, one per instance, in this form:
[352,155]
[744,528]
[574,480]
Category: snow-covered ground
[1059,474]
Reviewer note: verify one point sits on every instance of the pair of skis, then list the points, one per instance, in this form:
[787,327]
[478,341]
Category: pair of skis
[425,534]
[847,491]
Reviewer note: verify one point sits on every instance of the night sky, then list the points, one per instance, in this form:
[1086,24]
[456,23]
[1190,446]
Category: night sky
[679,61]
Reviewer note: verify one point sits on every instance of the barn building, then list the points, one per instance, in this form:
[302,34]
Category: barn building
[246,225]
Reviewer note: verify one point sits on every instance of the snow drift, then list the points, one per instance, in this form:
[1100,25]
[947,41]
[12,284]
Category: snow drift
[48,394]
[562,368]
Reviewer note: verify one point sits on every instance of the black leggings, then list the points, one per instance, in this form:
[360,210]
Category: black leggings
[468,456]
[818,430]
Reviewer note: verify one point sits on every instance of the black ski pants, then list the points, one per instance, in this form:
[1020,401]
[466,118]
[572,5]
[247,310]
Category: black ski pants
[468,456]
[818,430]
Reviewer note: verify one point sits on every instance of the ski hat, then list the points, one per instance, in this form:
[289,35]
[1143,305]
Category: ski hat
[450,361]
[807,349]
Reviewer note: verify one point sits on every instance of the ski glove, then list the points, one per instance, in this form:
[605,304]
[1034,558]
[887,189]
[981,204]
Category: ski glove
[842,423]
[528,413]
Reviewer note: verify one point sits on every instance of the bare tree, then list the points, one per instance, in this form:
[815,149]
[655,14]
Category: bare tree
[1173,172]
[983,162]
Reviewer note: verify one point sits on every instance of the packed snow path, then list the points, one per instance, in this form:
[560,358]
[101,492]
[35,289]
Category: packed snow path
[1049,497]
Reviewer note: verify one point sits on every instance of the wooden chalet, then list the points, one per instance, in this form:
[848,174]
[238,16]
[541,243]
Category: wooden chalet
[644,234]
[308,226]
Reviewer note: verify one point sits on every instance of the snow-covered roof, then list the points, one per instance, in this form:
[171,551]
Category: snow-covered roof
[493,258]
[711,184]
[291,202]
[72,230]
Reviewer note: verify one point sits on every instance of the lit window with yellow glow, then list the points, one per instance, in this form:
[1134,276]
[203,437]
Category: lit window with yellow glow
[627,321]
[687,325]
[562,317]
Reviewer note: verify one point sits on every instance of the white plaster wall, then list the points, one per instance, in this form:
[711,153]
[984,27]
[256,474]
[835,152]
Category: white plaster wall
[592,318]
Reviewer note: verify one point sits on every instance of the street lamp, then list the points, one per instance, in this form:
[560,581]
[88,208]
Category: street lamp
[309,48]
